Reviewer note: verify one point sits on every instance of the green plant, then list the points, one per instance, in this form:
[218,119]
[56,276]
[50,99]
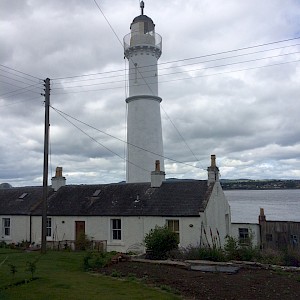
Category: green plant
[160,241]
[131,276]
[291,257]
[231,248]
[241,250]
[271,256]
[115,273]
[83,242]
[96,260]
[31,267]
[203,253]
[3,245]
[13,270]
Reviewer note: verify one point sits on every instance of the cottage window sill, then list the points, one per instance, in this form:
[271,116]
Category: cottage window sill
[116,243]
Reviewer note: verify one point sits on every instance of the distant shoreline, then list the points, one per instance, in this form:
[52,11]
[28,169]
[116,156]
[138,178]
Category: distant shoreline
[245,184]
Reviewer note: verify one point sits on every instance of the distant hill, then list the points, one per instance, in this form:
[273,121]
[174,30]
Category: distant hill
[266,184]
[5,186]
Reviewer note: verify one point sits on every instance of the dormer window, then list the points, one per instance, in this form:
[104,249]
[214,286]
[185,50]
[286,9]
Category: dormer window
[23,196]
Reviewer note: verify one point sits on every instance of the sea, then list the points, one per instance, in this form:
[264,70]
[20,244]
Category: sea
[279,205]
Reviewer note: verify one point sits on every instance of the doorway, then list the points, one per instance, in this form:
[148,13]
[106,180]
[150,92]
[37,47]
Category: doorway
[79,233]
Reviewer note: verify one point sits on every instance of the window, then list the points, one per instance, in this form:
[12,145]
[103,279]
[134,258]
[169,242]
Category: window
[6,226]
[49,227]
[244,235]
[116,229]
[173,225]
[269,237]
[294,239]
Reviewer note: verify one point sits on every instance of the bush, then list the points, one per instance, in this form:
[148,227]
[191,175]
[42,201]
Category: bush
[203,253]
[97,260]
[235,250]
[160,241]
[272,257]
[83,242]
[291,257]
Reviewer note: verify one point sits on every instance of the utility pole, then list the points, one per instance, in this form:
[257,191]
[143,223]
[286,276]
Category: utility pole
[45,174]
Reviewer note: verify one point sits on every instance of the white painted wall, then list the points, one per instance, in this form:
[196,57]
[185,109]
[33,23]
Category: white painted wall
[19,229]
[134,230]
[217,216]
[143,120]
[252,227]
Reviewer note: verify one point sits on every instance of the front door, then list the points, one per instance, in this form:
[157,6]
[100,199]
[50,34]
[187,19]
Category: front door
[79,231]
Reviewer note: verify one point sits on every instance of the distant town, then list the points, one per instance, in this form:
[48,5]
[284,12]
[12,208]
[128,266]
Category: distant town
[247,184]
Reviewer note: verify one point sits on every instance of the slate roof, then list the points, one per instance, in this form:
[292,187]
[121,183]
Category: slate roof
[178,198]
[20,200]
[173,198]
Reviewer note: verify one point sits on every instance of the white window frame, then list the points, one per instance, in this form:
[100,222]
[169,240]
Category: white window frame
[171,225]
[116,229]
[6,227]
[49,227]
[244,235]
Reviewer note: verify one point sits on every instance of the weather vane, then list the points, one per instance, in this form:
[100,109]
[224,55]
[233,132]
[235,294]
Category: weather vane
[142,5]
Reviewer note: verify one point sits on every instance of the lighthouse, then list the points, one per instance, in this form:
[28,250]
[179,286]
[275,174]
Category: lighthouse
[143,48]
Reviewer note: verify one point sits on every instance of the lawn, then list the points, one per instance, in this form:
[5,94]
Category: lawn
[60,275]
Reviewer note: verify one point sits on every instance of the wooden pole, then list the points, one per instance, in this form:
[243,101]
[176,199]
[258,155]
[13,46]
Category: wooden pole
[45,174]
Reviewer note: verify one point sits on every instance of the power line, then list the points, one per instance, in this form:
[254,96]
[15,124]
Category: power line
[185,78]
[20,72]
[92,138]
[22,90]
[114,137]
[198,57]
[185,71]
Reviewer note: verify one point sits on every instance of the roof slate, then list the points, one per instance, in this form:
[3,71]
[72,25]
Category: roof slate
[173,198]
[178,198]
[11,204]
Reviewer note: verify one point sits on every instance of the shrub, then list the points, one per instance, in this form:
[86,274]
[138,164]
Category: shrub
[96,260]
[271,256]
[31,267]
[83,242]
[231,248]
[160,241]
[240,251]
[203,253]
[291,257]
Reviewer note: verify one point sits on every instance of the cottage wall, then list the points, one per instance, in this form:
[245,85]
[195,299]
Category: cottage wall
[19,229]
[253,231]
[217,218]
[133,230]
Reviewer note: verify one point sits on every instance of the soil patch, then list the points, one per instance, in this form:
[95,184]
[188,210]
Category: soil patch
[245,284]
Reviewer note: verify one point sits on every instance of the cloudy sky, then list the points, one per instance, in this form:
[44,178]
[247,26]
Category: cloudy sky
[228,76]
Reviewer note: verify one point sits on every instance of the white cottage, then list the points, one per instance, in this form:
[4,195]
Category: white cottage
[120,215]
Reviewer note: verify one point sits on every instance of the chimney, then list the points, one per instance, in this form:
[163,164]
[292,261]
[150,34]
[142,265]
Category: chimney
[157,176]
[213,171]
[261,217]
[58,180]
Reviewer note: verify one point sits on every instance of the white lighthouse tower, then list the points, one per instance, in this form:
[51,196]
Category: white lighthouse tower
[142,48]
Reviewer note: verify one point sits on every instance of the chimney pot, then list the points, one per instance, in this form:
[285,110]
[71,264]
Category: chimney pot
[157,166]
[213,160]
[58,172]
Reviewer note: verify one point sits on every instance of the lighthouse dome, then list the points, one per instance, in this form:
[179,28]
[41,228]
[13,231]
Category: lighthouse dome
[147,23]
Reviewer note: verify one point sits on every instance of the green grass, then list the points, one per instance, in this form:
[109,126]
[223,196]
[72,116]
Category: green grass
[60,275]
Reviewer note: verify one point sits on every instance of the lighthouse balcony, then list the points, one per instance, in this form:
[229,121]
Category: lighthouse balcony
[136,39]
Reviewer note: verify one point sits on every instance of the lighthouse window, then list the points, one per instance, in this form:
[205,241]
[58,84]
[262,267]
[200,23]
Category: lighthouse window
[116,233]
